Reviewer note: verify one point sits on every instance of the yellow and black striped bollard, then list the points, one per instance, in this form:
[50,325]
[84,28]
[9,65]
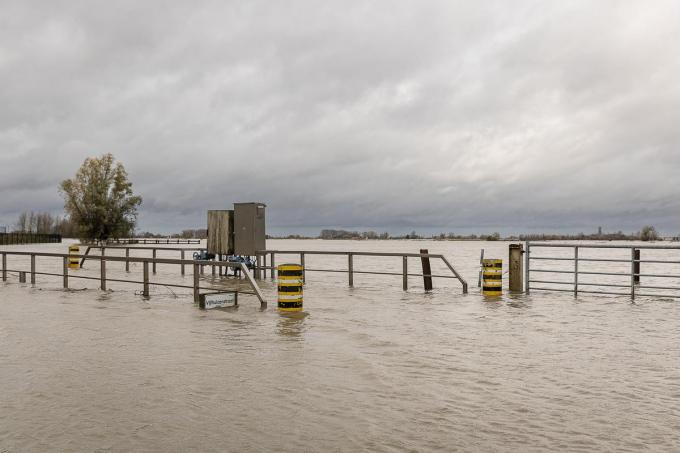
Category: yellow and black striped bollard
[290,287]
[492,277]
[73,260]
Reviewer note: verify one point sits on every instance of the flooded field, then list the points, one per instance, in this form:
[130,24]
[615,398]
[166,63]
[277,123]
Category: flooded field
[369,368]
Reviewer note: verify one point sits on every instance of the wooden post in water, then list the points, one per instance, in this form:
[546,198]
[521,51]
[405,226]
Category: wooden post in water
[32,269]
[182,265]
[350,269]
[516,268]
[65,271]
[302,263]
[102,273]
[4,267]
[154,261]
[427,270]
[404,272]
[145,290]
[636,267]
[196,292]
[127,259]
[273,263]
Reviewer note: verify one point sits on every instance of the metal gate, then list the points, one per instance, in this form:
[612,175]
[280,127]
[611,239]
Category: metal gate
[604,269]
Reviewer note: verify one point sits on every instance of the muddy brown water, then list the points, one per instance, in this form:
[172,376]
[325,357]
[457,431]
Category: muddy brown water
[371,368]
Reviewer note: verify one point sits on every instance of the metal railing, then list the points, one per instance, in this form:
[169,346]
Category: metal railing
[153,241]
[262,264]
[631,262]
[146,263]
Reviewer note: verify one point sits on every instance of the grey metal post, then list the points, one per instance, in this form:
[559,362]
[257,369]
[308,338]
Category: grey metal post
[575,271]
[182,265]
[196,292]
[32,269]
[102,271]
[213,267]
[350,269]
[404,271]
[154,261]
[4,267]
[273,263]
[527,267]
[127,259]
[65,271]
[145,291]
[632,273]
[258,263]
[479,276]
[302,263]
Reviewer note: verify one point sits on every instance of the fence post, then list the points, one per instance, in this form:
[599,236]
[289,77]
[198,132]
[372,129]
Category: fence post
[4,267]
[273,263]
[302,263]
[404,272]
[127,259]
[427,270]
[632,273]
[575,271]
[196,292]
[32,269]
[637,265]
[479,276]
[145,291]
[182,265]
[350,269]
[154,261]
[102,272]
[65,271]
[527,267]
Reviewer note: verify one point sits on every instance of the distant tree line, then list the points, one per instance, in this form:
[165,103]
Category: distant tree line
[44,223]
[200,233]
[647,233]
[342,234]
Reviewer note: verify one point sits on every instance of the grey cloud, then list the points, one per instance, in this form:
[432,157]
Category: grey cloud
[401,114]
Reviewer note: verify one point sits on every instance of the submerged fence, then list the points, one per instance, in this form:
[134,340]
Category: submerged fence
[351,271]
[28,238]
[626,270]
[262,265]
[104,279]
[159,241]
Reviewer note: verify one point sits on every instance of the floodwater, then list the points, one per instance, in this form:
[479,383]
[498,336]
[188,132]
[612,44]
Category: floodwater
[372,368]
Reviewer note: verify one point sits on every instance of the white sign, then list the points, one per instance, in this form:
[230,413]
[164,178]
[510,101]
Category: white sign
[218,300]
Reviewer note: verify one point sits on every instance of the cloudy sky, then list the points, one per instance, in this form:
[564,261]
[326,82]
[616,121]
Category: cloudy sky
[394,115]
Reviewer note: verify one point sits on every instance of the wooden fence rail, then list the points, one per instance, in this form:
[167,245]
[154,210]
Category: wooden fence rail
[28,238]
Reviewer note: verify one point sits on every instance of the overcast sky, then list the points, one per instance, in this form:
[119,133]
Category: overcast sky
[393,115]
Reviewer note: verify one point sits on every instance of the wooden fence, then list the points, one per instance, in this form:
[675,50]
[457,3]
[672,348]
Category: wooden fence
[28,238]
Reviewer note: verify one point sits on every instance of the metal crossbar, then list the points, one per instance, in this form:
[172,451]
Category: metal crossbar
[197,266]
[350,264]
[633,274]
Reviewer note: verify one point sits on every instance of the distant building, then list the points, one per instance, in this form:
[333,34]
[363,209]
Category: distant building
[599,231]
[3,229]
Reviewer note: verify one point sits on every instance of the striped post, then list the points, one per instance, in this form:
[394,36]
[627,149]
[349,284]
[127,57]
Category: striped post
[492,274]
[290,287]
